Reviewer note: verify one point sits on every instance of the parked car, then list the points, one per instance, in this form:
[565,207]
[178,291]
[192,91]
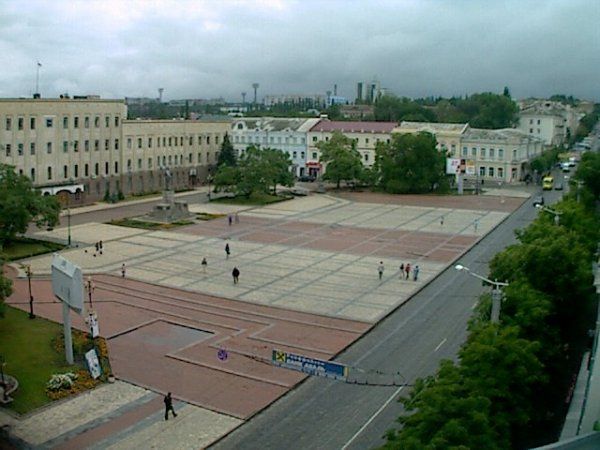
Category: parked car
[309,178]
[558,186]
[538,200]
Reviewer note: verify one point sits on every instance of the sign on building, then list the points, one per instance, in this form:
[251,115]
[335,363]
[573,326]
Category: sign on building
[310,366]
[452,166]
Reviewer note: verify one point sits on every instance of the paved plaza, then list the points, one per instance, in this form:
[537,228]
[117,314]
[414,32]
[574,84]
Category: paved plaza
[309,285]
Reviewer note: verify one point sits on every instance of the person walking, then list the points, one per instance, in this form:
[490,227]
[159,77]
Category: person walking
[407,270]
[169,406]
[380,269]
[123,270]
[227,251]
[401,270]
[101,246]
[236,274]
[204,264]
[416,273]
[442,220]
[230,219]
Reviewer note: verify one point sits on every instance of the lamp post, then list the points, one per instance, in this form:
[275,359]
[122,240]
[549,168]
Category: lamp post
[68,222]
[208,180]
[556,214]
[29,274]
[90,288]
[496,291]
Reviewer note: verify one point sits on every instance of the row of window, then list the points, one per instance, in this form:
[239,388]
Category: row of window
[356,140]
[487,153]
[531,121]
[171,141]
[66,145]
[49,122]
[272,140]
[492,172]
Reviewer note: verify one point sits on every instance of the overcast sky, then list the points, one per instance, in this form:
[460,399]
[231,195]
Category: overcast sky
[208,49]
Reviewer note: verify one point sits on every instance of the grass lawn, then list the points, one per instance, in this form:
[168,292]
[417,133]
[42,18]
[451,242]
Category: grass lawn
[132,223]
[255,199]
[26,248]
[30,357]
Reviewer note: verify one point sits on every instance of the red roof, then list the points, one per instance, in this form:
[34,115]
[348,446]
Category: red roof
[354,127]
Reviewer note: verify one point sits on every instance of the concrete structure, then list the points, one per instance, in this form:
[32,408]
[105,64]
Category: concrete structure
[369,91]
[81,148]
[366,135]
[285,134]
[553,122]
[357,112]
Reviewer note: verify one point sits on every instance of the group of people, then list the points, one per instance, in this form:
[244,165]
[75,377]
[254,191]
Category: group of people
[99,246]
[235,272]
[405,270]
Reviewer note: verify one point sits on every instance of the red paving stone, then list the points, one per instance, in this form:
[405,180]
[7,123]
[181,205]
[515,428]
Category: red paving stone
[143,325]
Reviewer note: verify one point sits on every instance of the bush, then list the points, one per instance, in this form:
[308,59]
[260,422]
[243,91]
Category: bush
[61,381]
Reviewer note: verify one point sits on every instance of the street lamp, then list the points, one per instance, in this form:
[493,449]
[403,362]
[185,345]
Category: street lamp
[89,285]
[496,292]
[29,274]
[557,214]
[208,180]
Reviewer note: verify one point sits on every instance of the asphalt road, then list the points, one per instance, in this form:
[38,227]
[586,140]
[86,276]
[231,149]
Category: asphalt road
[326,414]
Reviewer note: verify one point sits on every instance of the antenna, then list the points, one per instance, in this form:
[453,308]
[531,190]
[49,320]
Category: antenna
[255,87]
[37,80]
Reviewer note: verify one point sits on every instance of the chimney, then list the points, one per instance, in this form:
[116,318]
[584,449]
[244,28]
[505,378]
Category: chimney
[335,90]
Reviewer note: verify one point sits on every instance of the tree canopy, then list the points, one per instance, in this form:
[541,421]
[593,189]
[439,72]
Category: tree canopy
[589,172]
[21,204]
[411,163]
[341,159]
[227,155]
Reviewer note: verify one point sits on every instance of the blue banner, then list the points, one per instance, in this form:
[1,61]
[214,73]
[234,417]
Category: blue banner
[311,366]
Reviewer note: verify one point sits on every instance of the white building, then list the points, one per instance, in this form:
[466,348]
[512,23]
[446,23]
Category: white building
[285,134]
[552,122]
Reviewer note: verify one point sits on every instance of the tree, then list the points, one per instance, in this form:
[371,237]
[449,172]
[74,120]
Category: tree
[506,92]
[411,163]
[277,168]
[21,204]
[5,288]
[340,158]
[488,110]
[227,154]
[589,172]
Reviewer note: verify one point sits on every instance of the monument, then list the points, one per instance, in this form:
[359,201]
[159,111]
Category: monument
[169,210]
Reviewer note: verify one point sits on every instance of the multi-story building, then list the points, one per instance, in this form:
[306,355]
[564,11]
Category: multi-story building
[552,122]
[366,135]
[448,135]
[78,146]
[285,134]
[300,100]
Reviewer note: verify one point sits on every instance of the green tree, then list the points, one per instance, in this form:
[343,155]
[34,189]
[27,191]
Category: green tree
[411,163]
[5,288]
[340,158]
[488,110]
[546,161]
[589,172]
[276,168]
[390,108]
[227,154]
[21,204]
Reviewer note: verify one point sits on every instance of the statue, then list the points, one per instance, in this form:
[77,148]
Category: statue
[168,179]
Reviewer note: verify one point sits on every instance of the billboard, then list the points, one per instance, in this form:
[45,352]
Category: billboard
[310,366]
[452,166]
[67,282]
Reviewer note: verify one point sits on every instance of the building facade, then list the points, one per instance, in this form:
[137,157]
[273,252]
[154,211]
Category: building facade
[83,148]
[285,134]
[552,122]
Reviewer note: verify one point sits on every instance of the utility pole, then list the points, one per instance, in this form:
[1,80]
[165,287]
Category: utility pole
[255,87]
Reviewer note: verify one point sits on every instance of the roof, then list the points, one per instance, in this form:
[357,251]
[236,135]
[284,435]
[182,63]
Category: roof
[503,134]
[274,123]
[354,127]
[432,127]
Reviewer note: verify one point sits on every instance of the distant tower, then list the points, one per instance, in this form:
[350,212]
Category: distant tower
[335,90]
[243,98]
[160,92]
[329,98]
[255,87]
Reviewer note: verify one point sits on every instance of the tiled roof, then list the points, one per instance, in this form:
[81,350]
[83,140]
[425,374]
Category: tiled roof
[433,127]
[503,134]
[354,127]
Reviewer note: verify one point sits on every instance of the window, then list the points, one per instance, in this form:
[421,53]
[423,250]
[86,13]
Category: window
[191,140]
[65,122]
[129,143]
[366,140]
[97,123]
[500,153]
[491,171]
[207,140]
[86,170]
[217,140]
[140,163]
[464,151]
[169,141]
[295,154]
[538,121]
[20,149]
[453,149]
[32,176]
[116,121]
[20,123]
[8,149]
[538,131]
[199,157]
[107,121]
[199,139]
[164,141]
[474,152]
[65,146]
[75,146]
[32,123]
[106,168]
[302,155]
[116,144]
[500,172]
[96,145]
[76,171]
[482,171]
[149,163]
[482,153]
[492,153]
[32,148]
[106,144]
[514,154]
[181,141]
[190,158]
[65,171]
[314,155]
[76,122]
[530,121]
[129,165]
[531,130]
[314,139]
[48,147]
[149,142]
[170,160]
[96,169]
[139,143]
[366,157]
[49,173]
[86,122]
[303,140]
[164,161]
[8,124]
[49,122]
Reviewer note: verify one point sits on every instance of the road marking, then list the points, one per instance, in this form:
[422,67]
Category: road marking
[387,402]
[440,344]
